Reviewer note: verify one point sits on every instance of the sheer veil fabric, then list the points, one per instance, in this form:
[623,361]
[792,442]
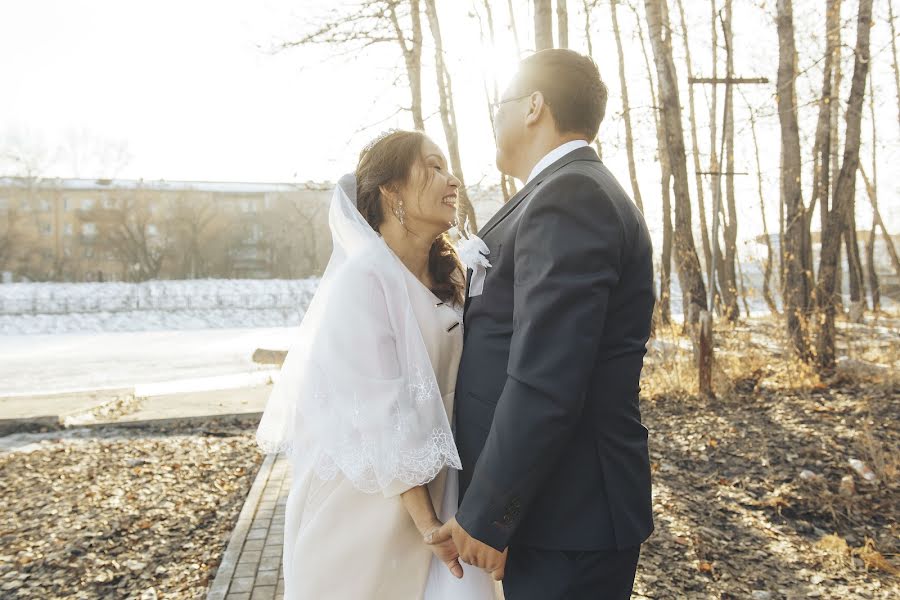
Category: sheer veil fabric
[357,393]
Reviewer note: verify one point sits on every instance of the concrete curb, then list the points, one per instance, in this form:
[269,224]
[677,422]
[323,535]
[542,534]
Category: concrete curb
[227,566]
[250,418]
[53,423]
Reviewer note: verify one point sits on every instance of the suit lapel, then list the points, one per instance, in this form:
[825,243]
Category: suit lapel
[584,153]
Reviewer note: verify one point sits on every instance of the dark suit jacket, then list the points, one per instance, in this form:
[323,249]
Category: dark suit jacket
[549,429]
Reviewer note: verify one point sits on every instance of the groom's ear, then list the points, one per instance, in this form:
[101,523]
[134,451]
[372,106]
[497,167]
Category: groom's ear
[537,108]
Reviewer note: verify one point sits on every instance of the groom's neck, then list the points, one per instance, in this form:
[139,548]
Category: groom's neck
[541,144]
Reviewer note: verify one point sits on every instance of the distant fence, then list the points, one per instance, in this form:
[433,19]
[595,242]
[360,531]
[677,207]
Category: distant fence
[33,299]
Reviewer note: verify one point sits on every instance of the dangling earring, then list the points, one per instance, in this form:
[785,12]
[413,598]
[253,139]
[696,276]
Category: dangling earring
[399,212]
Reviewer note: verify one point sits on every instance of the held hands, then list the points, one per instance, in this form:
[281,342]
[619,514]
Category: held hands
[469,549]
[445,550]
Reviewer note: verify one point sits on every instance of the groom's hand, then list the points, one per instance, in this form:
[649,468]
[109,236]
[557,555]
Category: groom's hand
[471,550]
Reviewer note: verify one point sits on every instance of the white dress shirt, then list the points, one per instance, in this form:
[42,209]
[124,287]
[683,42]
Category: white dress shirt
[555,155]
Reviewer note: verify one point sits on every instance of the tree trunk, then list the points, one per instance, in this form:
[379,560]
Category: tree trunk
[626,109]
[729,210]
[888,240]
[714,181]
[796,291]
[493,95]
[695,146]
[448,117]
[664,304]
[767,270]
[590,48]
[872,273]
[689,273]
[854,263]
[562,23]
[515,30]
[844,188]
[894,54]
[412,55]
[543,25]
[828,106]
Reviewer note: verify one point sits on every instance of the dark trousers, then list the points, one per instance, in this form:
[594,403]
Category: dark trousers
[538,574]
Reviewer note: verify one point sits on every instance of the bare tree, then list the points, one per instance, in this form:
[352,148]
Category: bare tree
[686,259]
[894,54]
[129,231]
[767,269]
[562,23]
[796,291]
[448,116]
[412,55]
[871,271]
[822,149]
[888,240]
[515,29]
[664,303]
[626,107]
[196,226]
[9,235]
[376,22]
[844,189]
[543,25]
[492,95]
[714,181]
[729,210]
[590,48]
[695,147]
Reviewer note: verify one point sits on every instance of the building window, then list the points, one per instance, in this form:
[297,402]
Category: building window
[89,252]
[109,203]
[87,203]
[152,230]
[89,228]
[68,229]
[4,204]
[44,205]
[46,228]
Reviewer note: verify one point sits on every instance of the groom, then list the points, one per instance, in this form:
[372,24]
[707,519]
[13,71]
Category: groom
[555,486]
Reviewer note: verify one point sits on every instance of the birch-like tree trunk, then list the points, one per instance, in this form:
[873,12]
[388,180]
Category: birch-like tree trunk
[695,146]
[448,117]
[562,24]
[844,189]
[686,259]
[767,269]
[626,108]
[543,25]
[796,291]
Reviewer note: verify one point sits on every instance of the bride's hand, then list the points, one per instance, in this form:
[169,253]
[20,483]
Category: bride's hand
[445,551]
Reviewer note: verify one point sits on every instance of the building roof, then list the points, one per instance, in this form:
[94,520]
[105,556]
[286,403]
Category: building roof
[224,187]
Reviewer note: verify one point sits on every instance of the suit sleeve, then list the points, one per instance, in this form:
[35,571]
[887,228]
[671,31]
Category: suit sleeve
[568,253]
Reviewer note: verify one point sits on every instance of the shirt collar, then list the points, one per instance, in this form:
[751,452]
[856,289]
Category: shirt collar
[555,155]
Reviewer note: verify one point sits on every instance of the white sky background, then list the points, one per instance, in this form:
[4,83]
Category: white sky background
[190,90]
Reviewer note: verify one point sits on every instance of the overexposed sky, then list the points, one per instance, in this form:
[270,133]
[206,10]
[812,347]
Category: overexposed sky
[190,89]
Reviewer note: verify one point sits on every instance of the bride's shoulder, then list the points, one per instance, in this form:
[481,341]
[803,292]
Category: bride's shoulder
[364,271]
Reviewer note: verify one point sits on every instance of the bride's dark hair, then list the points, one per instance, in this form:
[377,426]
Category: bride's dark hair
[388,161]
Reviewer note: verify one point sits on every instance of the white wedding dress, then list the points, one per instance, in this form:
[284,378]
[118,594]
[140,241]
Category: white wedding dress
[363,407]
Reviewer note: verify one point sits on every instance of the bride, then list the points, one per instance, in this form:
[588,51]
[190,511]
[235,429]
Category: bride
[364,402]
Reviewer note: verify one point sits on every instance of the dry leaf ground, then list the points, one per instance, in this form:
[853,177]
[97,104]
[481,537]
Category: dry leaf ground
[121,513]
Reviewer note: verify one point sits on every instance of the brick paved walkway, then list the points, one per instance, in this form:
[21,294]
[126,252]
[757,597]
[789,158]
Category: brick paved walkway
[251,567]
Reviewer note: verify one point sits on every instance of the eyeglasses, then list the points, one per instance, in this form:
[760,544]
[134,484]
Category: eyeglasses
[495,106]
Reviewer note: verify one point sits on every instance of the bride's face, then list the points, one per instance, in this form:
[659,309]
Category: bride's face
[431,195]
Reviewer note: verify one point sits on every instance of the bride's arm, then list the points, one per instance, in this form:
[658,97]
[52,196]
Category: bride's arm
[417,501]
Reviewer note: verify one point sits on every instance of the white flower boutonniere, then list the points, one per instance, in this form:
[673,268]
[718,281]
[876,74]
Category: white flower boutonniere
[474,253]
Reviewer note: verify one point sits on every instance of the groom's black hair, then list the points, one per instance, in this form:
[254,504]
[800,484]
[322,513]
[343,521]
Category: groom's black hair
[571,85]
